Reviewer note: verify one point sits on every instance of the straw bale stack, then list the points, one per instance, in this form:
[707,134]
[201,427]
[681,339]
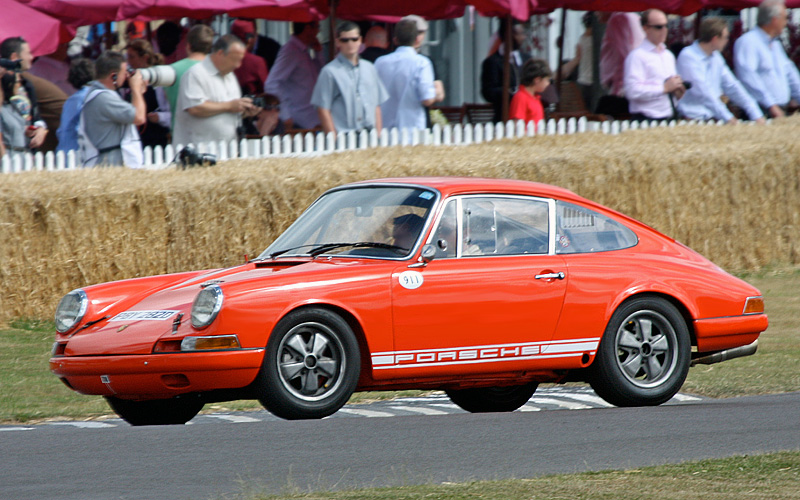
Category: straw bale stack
[731,193]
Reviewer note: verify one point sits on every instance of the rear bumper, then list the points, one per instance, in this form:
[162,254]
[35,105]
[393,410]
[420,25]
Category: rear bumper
[717,334]
[158,375]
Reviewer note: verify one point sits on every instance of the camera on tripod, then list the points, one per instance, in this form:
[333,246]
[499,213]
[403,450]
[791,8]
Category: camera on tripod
[189,157]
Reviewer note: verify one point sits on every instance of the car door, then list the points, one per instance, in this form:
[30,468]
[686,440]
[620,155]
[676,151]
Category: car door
[489,299]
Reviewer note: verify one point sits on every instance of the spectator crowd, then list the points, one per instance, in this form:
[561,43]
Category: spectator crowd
[243,84]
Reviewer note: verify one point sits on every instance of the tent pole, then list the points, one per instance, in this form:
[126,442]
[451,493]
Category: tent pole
[332,32]
[562,28]
[507,68]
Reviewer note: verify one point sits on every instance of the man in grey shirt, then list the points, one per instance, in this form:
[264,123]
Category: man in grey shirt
[348,92]
[107,121]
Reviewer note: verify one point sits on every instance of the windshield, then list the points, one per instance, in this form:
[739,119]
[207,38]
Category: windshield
[370,221]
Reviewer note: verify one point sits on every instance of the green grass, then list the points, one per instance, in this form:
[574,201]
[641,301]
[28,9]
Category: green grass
[30,392]
[763,477]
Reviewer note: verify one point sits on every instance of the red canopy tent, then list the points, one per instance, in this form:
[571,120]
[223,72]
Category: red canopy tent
[76,13]
[275,10]
[41,31]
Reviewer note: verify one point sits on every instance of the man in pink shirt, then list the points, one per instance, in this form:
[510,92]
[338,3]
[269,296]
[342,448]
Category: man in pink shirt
[651,81]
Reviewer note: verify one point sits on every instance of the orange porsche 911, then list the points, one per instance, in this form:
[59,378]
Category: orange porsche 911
[482,288]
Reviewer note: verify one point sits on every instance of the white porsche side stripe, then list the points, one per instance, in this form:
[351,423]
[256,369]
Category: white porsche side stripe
[483,354]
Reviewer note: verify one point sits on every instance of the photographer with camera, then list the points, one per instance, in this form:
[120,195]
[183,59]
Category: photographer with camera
[21,125]
[702,64]
[651,83]
[107,130]
[155,131]
[210,102]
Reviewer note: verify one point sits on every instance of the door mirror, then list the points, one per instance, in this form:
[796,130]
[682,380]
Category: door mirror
[428,253]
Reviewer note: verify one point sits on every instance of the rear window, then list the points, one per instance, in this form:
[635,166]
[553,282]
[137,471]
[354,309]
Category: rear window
[580,230]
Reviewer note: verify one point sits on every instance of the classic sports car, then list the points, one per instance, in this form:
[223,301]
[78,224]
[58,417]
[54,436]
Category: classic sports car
[481,287]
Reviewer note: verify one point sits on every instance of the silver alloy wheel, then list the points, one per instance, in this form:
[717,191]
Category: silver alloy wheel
[311,361]
[647,348]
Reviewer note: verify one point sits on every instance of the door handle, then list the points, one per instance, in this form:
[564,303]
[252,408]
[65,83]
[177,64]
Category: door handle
[550,276]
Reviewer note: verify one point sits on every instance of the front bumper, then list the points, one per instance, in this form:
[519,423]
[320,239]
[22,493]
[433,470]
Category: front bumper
[153,376]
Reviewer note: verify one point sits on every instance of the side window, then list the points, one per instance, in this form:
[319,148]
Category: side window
[444,238]
[504,226]
[580,230]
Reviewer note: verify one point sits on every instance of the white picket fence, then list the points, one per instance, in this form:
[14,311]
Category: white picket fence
[311,144]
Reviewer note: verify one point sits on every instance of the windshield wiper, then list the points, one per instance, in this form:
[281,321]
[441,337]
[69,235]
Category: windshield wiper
[360,244]
[281,252]
[317,249]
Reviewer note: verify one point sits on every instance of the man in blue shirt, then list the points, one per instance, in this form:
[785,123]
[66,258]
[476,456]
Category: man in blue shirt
[81,72]
[702,65]
[408,77]
[761,62]
[348,92]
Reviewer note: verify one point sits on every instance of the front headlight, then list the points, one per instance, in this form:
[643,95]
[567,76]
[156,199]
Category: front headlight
[206,306]
[70,310]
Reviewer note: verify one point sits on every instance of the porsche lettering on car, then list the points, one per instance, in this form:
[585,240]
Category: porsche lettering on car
[483,288]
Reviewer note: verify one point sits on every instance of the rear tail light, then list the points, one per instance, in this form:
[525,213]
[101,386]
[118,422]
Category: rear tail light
[754,305]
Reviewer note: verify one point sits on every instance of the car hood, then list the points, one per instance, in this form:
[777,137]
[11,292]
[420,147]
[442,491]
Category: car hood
[134,325]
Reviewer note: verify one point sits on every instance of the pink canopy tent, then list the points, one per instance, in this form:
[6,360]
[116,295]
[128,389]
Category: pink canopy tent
[41,31]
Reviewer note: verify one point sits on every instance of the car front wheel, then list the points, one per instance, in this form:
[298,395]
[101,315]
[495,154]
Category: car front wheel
[173,411]
[311,366]
[492,399]
[644,355]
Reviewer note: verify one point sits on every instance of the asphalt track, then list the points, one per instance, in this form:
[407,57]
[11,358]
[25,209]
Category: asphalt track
[223,457]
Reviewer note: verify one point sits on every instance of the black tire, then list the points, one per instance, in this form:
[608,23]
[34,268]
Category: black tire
[644,354]
[492,399]
[173,411]
[311,366]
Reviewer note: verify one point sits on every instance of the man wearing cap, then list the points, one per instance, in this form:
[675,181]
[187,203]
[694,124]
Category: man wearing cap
[408,77]
[252,74]
[348,92]
[422,29]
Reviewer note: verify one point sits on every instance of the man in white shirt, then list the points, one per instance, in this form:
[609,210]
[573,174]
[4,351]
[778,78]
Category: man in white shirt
[408,77]
[761,63]
[703,66]
[650,77]
[210,102]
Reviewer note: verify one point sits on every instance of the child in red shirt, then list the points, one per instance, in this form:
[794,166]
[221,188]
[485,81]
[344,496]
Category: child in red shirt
[526,105]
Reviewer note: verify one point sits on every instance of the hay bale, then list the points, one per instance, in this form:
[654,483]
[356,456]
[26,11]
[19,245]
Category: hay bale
[731,193]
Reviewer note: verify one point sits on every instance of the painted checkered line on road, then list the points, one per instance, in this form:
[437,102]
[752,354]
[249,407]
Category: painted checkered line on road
[545,399]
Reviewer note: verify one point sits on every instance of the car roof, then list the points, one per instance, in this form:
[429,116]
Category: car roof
[448,186]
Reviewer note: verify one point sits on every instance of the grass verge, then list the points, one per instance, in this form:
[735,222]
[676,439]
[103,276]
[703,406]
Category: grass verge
[31,392]
[773,476]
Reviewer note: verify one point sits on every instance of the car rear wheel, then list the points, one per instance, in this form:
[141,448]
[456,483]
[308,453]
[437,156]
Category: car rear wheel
[644,355]
[492,399]
[173,411]
[311,366]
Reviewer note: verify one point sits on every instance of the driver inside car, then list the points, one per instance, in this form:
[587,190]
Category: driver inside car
[406,229]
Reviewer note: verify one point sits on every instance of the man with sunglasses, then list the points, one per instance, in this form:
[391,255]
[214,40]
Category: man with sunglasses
[651,81]
[348,92]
